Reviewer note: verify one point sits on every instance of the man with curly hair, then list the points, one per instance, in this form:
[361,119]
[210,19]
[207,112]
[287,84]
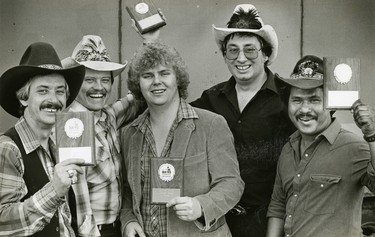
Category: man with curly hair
[170,129]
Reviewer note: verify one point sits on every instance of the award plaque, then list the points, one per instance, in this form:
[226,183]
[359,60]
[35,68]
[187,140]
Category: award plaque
[341,82]
[166,179]
[145,15]
[75,136]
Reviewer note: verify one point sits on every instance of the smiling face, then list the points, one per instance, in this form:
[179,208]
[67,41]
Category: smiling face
[305,108]
[159,86]
[47,96]
[95,90]
[245,70]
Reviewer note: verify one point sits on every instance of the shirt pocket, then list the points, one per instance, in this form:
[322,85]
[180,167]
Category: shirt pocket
[322,194]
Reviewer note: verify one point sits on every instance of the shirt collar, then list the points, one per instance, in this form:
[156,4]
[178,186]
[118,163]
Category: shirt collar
[269,84]
[330,133]
[29,139]
[185,111]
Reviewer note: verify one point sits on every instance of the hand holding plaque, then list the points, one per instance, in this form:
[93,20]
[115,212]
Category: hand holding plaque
[166,179]
[146,16]
[75,136]
[341,82]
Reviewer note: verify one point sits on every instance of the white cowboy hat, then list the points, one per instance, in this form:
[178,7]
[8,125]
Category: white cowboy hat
[92,53]
[266,31]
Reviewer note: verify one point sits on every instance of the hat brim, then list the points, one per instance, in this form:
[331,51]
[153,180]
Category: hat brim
[13,79]
[115,68]
[266,32]
[302,83]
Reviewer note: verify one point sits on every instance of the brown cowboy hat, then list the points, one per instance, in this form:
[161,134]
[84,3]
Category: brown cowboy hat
[39,59]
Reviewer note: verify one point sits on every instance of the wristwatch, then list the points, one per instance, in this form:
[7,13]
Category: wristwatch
[370,138]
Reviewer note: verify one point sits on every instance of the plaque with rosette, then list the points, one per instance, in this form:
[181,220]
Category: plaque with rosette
[341,82]
[166,179]
[75,136]
[145,15]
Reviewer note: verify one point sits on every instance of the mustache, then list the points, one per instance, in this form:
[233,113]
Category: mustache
[95,91]
[306,116]
[51,105]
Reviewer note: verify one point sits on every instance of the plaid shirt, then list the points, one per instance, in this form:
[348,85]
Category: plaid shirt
[155,216]
[25,218]
[98,191]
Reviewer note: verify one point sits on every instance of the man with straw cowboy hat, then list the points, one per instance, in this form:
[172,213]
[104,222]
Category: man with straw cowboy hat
[251,105]
[34,189]
[98,190]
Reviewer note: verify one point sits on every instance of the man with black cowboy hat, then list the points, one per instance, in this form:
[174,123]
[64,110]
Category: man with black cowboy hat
[98,191]
[251,105]
[33,187]
[323,168]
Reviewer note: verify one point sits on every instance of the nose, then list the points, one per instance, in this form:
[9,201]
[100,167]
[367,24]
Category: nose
[305,107]
[98,85]
[241,56]
[156,80]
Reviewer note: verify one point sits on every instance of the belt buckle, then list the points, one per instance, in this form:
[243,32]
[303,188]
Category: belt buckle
[238,210]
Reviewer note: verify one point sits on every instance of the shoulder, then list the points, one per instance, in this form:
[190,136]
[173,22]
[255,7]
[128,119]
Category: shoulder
[348,138]
[216,88]
[207,115]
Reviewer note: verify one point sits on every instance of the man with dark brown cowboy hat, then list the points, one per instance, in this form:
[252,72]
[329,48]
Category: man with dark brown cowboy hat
[323,169]
[34,189]
[252,107]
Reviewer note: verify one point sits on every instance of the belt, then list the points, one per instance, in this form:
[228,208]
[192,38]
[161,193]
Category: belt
[239,210]
[109,226]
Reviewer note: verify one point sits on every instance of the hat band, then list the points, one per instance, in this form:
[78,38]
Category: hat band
[50,66]
[316,75]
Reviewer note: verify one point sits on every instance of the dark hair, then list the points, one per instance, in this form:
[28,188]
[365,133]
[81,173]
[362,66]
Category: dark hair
[246,20]
[151,55]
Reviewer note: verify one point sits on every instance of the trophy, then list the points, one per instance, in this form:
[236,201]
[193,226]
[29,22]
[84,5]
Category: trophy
[75,136]
[341,82]
[145,15]
[166,179]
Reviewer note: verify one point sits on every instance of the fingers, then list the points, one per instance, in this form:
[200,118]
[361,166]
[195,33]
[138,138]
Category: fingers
[134,229]
[187,208]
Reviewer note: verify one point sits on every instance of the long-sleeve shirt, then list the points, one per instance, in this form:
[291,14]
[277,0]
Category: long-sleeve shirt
[98,191]
[320,192]
[23,218]
[260,131]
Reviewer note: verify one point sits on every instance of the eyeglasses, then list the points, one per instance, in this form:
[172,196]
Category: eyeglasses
[250,52]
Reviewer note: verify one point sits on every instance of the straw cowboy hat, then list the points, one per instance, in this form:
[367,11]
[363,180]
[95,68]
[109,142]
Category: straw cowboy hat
[92,53]
[254,25]
[39,59]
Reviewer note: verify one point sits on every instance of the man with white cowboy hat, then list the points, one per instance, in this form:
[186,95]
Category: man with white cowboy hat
[251,104]
[323,169]
[98,191]
[33,187]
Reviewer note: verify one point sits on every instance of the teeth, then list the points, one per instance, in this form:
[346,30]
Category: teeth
[96,95]
[243,67]
[51,110]
[158,91]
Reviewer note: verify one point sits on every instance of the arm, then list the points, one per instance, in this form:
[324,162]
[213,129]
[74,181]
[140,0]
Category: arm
[226,186]
[25,217]
[125,110]
[275,227]
[364,117]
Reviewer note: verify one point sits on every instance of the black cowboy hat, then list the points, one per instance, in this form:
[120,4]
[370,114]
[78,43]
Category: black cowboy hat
[39,59]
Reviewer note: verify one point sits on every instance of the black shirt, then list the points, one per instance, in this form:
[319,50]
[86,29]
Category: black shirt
[260,132]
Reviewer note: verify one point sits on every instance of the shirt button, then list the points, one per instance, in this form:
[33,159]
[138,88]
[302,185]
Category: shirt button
[239,121]
[295,195]
[290,216]
[306,155]
[288,235]
[322,185]
[153,218]
[298,175]
[57,229]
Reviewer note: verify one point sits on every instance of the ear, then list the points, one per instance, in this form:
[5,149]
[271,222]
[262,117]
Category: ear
[23,103]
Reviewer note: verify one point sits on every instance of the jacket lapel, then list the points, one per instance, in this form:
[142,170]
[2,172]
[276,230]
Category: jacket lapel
[182,137]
